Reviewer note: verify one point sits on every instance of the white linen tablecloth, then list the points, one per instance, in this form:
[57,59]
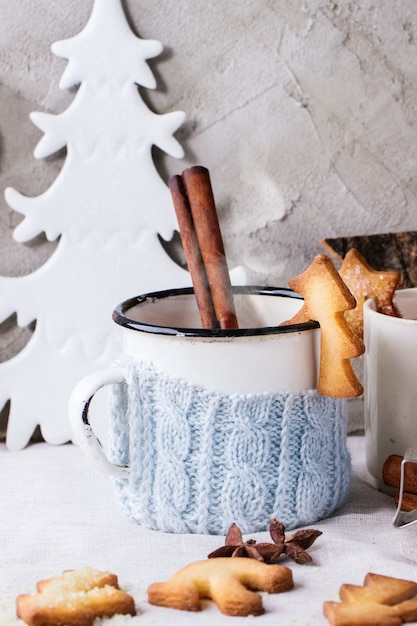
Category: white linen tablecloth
[58,512]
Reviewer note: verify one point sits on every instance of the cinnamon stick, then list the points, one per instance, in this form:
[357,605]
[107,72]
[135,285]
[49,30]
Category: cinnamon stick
[192,253]
[201,200]
[408,502]
[391,473]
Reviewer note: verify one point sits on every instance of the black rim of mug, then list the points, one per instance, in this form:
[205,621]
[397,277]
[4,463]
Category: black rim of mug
[120,317]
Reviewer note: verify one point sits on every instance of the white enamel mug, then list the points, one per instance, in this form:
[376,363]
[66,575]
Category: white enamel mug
[210,427]
[390,377]
[164,329]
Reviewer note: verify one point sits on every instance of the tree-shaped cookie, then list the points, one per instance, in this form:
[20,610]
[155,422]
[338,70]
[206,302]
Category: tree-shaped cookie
[365,282]
[381,601]
[326,298]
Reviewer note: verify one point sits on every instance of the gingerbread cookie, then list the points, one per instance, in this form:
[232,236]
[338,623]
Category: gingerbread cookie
[381,601]
[326,298]
[364,282]
[229,582]
[74,599]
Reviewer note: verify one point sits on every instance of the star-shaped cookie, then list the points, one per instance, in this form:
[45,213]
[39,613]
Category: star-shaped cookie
[365,282]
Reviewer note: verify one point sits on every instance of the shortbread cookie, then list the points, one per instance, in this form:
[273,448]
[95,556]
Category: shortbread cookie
[229,582]
[381,601]
[74,599]
[326,298]
[364,282]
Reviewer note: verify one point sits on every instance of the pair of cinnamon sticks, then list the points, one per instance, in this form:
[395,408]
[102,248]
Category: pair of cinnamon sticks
[201,238]
[391,474]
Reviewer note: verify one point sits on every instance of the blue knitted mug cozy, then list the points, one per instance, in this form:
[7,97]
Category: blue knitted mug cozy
[200,460]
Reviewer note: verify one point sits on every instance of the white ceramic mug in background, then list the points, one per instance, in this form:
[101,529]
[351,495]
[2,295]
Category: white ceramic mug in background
[210,427]
[390,381]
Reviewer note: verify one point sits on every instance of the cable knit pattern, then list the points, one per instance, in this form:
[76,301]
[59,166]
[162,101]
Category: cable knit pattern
[200,460]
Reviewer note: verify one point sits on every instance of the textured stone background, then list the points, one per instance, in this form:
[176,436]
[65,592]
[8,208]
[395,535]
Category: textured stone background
[305,112]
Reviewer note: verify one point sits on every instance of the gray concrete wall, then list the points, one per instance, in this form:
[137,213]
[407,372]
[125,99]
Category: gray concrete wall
[305,112]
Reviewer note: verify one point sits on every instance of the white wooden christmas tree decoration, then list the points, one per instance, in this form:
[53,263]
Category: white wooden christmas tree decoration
[107,205]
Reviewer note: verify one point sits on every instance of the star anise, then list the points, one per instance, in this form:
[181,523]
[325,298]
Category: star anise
[235,546]
[294,546]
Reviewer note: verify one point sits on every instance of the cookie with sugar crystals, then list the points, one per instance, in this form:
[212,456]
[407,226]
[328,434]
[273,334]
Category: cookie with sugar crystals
[365,282]
[76,598]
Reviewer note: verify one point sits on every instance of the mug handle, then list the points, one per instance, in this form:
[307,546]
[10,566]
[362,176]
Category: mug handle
[79,404]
